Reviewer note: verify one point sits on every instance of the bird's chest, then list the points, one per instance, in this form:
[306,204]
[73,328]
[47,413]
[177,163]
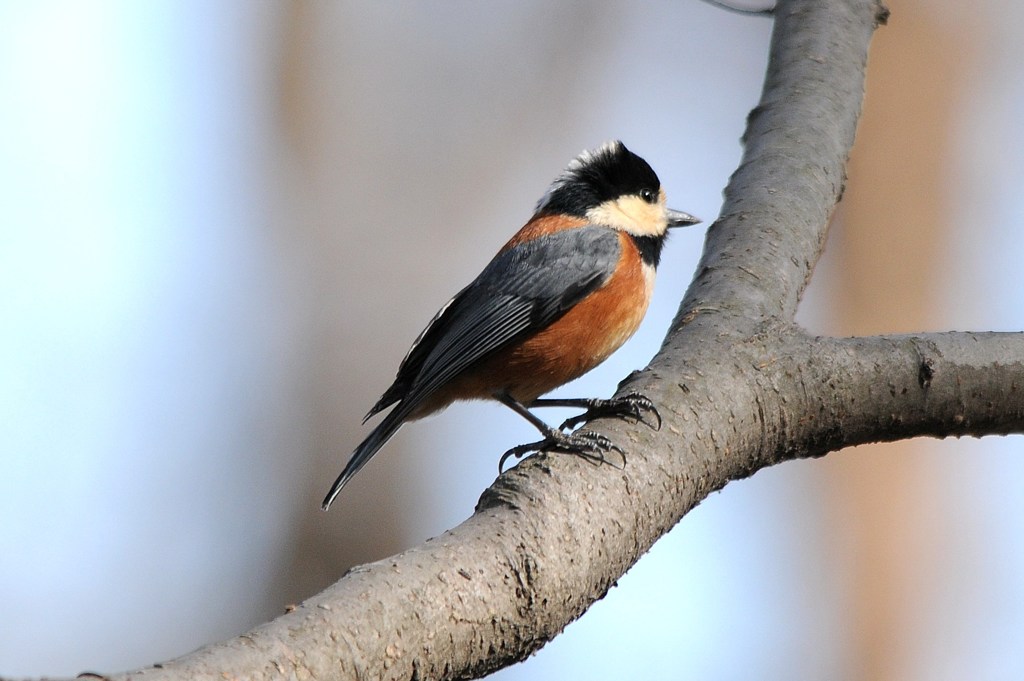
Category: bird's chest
[587,334]
[606,319]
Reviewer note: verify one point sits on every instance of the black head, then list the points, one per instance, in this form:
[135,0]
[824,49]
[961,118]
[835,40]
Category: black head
[598,176]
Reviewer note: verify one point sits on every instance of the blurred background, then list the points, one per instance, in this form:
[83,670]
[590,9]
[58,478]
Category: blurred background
[222,225]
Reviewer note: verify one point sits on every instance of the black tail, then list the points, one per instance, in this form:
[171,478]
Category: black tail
[365,451]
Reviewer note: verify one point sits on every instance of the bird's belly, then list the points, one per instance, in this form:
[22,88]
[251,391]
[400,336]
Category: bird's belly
[573,345]
[569,347]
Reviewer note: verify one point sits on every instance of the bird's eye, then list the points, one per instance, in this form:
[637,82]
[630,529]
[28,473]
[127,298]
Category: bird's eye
[648,195]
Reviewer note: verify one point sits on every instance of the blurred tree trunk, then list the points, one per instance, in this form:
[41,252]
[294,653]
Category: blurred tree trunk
[884,279]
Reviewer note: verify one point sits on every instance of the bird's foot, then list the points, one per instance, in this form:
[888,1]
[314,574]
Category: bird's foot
[591,446]
[632,406]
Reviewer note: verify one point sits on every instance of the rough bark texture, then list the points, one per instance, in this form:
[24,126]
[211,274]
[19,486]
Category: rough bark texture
[738,385]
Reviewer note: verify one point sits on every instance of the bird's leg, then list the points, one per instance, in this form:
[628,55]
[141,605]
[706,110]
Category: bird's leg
[632,405]
[590,446]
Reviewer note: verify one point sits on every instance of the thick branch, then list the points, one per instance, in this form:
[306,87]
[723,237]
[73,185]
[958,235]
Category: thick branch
[885,388]
[790,395]
[759,255]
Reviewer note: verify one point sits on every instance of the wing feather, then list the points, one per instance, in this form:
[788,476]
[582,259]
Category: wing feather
[522,290]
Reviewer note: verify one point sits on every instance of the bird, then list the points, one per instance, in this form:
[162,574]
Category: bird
[567,290]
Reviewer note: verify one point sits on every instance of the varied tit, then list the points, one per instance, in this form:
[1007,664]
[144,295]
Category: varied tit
[563,294]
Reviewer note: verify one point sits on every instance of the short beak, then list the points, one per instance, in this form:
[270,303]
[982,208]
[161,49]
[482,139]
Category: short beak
[677,218]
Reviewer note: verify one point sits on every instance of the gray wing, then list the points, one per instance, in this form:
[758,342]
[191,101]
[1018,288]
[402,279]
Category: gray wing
[522,290]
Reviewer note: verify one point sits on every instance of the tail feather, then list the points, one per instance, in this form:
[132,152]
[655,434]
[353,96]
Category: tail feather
[365,451]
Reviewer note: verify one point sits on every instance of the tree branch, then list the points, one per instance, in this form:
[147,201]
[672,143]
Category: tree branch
[759,255]
[739,388]
[886,388]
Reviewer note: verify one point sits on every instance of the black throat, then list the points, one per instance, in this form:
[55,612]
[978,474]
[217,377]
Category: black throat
[649,247]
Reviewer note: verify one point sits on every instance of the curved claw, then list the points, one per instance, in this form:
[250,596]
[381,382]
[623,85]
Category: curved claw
[518,453]
[631,405]
[586,444]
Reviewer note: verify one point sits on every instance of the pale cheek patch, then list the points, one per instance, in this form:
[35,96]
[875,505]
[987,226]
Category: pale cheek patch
[632,215]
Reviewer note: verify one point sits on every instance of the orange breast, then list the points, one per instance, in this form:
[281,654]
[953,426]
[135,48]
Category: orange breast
[576,343]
